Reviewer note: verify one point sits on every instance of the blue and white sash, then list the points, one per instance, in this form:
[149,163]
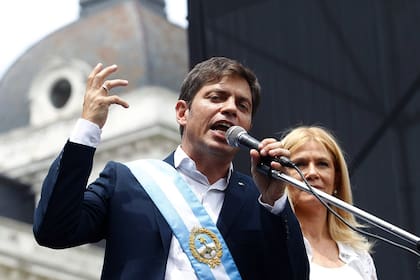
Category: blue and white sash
[192,226]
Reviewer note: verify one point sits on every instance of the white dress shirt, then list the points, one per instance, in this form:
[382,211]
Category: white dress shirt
[357,265]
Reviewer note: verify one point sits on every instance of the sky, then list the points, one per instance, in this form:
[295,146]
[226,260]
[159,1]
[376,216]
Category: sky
[25,22]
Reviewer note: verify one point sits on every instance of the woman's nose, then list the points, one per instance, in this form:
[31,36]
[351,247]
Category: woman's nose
[311,171]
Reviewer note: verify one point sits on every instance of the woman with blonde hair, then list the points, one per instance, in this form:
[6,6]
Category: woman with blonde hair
[334,249]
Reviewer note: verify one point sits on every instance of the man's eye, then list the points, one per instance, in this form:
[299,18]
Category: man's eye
[244,106]
[214,97]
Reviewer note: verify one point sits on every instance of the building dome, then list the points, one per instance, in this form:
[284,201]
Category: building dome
[48,81]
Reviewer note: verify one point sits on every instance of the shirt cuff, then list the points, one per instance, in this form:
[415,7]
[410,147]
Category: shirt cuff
[86,133]
[279,205]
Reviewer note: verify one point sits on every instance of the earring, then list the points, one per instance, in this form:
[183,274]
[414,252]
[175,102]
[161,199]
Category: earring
[335,192]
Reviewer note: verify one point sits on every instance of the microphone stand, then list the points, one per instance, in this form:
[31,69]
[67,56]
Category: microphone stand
[343,205]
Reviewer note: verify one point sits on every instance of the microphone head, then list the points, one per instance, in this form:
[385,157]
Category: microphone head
[232,135]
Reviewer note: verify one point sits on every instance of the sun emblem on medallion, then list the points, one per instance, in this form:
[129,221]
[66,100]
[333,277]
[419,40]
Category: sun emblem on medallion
[205,247]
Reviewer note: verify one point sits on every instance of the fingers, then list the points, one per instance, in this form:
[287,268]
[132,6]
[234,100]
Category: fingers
[97,78]
[269,148]
[93,74]
[99,74]
[98,96]
[114,99]
[273,148]
[110,84]
[97,85]
[271,189]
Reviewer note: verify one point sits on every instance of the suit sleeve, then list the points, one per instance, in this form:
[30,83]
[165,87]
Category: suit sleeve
[283,231]
[68,214]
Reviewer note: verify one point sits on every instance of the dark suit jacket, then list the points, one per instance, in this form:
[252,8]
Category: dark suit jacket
[116,208]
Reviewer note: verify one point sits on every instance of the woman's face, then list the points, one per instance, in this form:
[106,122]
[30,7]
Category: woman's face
[317,165]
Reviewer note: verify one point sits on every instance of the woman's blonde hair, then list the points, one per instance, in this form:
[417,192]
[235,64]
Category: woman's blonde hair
[295,138]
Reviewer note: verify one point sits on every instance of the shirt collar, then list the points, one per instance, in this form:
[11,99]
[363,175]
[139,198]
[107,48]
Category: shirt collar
[345,252]
[184,164]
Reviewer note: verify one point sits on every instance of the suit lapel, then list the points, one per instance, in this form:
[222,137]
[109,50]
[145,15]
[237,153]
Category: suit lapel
[235,198]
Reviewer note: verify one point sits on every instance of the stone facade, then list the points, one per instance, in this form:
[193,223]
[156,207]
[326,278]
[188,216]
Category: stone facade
[21,258]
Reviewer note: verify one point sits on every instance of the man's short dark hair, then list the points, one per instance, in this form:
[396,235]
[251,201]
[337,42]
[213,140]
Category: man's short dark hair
[212,71]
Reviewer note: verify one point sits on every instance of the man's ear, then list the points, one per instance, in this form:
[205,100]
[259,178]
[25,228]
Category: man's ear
[181,109]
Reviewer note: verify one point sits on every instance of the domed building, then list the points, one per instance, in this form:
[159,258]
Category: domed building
[41,98]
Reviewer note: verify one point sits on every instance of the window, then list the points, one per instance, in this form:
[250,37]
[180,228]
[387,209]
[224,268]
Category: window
[60,93]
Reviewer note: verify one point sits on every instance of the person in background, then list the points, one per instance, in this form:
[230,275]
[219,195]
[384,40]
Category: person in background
[335,251]
[191,216]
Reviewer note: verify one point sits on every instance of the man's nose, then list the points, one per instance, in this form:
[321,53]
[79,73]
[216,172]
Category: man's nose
[230,106]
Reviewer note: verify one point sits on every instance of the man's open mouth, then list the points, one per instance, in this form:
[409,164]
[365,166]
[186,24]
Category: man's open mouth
[222,126]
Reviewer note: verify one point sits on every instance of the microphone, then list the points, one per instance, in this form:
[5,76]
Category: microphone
[237,136]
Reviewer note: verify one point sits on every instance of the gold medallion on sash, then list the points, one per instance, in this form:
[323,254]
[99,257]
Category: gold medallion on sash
[205,247]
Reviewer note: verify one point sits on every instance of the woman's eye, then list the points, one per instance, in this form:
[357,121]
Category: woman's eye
[298,163]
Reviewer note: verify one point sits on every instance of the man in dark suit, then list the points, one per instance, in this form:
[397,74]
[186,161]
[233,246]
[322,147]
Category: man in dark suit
[188,217]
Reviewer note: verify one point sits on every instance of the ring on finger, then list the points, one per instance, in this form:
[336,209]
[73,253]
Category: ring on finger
[105,88]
